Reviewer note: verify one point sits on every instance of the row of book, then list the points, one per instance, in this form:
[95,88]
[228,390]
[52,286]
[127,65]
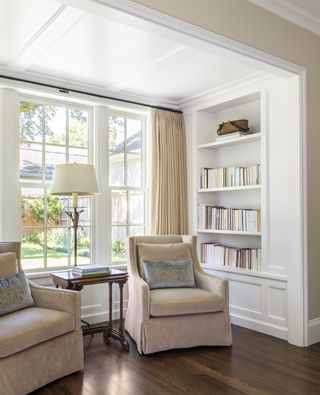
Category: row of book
[91,270]
[218,255]
[229,176]
[221,218]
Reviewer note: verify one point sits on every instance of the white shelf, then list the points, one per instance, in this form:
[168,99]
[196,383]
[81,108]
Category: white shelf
[245,272]
[229,232]
[230,141]
[222,189]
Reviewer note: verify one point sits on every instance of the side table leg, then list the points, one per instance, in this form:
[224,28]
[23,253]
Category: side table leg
[122,339]
[108,331]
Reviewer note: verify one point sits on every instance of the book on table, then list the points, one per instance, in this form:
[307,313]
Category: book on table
[91,270]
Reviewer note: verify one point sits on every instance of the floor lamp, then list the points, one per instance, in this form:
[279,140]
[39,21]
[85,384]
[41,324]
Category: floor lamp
[74,179]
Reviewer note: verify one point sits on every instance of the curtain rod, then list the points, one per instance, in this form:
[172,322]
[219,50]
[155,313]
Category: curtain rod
[67,90]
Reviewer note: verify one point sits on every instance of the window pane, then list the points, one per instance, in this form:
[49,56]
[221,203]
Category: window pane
[78,128]
[84,247]
[136,207]
[116,150]
[31,161]
[134,170]
[56,211]
[84,203]
[136,230]
[119,242]
[55,123]
[32,248]
[134,135]
[119,207]
[32,202]
[54,156]
[58,247]
[31,121]
[79,155]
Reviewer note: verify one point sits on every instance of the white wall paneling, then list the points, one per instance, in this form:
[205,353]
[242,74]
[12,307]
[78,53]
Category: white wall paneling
[258,303]
[314,331]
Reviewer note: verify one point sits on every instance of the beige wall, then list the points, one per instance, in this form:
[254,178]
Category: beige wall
[252,25]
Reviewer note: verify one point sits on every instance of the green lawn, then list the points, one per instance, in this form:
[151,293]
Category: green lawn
[33,253]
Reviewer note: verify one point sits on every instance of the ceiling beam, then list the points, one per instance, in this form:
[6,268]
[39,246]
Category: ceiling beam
[50,33]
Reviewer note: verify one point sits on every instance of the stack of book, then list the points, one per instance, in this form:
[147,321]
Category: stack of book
[91,270]
[229,176]
[234,219]
[218,255]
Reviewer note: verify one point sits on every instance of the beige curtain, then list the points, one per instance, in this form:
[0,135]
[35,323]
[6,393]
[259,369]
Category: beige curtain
[169,206]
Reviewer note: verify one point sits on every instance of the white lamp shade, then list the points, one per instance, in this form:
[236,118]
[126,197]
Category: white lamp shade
[74,178]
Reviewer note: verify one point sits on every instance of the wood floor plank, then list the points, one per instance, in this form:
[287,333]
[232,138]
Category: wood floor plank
[256,364]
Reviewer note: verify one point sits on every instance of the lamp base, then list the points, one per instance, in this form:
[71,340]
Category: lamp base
[74,215]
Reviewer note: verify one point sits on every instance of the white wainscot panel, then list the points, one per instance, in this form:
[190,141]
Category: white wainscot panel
[277,304]
[245,298]
[95,302]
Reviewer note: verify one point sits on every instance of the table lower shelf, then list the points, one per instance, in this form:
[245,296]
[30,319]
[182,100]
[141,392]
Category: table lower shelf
[108,331]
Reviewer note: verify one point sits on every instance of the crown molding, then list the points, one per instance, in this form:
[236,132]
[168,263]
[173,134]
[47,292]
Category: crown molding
[287,10]
[252,78]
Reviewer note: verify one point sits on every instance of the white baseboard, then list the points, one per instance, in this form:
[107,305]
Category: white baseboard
[314,331]
[260,326]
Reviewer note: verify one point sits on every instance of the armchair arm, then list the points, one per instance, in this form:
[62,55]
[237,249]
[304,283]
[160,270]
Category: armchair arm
[217,285]
[57,299]
[139,297]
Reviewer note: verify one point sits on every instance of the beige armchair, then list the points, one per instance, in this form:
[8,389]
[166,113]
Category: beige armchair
[162,319]
[41,343]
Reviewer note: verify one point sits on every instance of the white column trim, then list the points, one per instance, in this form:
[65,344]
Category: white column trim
[10,207]
[102,212]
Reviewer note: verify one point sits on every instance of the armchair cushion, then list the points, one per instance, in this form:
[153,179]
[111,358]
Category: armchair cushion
[8,264]
[15,293]
[183,301]
[161,252]
[25,328]
[169,274]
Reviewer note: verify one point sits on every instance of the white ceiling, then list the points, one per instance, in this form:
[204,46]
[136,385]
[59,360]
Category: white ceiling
[47,39]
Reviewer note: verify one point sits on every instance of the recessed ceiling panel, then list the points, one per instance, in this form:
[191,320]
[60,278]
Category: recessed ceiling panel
[20,20]
[185,74]
[102,52]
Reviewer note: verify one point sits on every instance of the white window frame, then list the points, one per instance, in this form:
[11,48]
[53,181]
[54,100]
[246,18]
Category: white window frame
[44,184]
[145,178]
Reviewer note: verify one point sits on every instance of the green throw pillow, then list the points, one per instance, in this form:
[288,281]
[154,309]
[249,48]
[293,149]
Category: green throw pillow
[15,293]
[169,274]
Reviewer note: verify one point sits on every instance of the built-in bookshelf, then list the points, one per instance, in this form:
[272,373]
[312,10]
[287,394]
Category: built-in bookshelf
[229,214]
[262,265]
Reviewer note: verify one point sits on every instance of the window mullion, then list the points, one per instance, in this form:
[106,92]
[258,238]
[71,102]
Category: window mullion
[44,186]
[67,161]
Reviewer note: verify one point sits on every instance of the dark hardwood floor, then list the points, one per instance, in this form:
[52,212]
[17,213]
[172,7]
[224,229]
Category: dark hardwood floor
[255,364]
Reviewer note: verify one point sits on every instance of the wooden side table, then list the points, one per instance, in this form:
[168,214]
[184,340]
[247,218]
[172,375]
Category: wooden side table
[70,280]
